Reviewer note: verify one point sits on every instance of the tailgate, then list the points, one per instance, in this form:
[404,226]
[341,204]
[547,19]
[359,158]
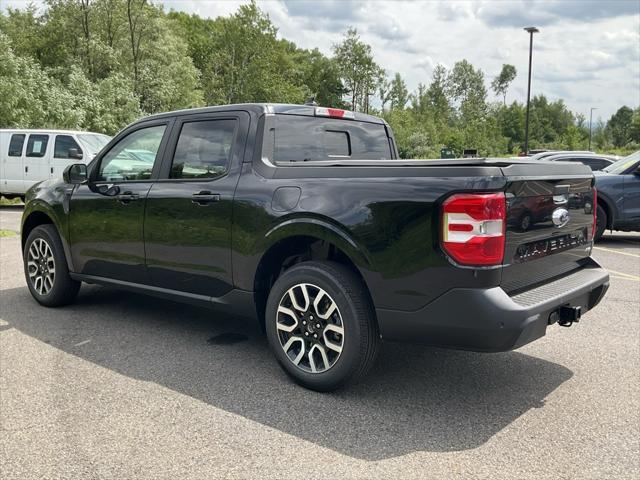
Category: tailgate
[550,208]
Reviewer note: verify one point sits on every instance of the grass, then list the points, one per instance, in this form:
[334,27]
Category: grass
[13,201]
[7,233]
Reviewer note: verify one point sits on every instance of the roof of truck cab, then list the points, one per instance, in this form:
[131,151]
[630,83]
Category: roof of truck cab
[261,108]
[47,130]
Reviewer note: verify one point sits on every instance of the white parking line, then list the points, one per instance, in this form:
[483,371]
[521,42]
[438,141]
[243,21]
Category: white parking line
[616,251]
[623,276]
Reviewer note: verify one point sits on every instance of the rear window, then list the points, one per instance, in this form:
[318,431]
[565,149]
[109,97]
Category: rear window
[303,139]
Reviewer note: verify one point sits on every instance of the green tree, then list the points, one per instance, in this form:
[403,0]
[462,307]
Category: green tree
[620,126]
[501,83]
[398,93]
[437,97]
[361,75]
[635,126]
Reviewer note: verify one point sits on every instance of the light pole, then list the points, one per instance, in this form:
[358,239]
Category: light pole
[531,31]
[590,121]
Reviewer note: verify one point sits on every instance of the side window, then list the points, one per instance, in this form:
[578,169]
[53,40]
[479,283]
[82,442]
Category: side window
[596,163]
[62,146]
[132,158]
[16,144]
[37,145]
[337,143]
[203,149]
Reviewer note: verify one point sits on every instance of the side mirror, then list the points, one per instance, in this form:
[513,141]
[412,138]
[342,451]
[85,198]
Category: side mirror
[75,153]
[75,174]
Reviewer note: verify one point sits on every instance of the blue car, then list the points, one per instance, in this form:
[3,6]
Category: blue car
[618,188]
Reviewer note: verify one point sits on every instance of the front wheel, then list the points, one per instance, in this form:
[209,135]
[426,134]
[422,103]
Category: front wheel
[321,326]
[46,270]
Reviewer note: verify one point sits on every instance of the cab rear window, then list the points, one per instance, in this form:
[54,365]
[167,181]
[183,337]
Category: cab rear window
[302,139]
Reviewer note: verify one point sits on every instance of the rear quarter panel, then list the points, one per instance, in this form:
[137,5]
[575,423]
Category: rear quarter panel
[384,219]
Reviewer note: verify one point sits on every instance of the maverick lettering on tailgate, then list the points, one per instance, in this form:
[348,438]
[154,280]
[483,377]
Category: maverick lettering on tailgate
[542,248]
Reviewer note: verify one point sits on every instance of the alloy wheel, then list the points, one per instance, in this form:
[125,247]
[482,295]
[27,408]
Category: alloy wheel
[310,328]
[41,266]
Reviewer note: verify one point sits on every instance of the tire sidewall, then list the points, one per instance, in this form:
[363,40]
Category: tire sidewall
[348,361]
[601,222]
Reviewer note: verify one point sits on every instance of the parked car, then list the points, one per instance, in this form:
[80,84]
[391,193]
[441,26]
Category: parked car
[304,218]
[550,153]
[618,188]
[593,161]
[30,156]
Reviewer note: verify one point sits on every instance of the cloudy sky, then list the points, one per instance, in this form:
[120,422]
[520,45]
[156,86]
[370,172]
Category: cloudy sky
[587,52]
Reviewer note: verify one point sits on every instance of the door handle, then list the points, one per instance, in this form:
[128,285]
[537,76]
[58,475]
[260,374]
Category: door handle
[26,169]
[204,198]
[51,169]
[127,197]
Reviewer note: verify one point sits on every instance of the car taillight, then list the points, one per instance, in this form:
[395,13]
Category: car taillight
[595,213]
[473,228]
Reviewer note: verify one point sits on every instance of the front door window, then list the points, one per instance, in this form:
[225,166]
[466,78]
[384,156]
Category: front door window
[132,158]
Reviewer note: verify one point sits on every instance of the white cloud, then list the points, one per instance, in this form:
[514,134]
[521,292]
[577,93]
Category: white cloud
[588,52]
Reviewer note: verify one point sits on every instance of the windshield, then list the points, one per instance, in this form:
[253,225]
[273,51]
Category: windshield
[622,165]
[94,141]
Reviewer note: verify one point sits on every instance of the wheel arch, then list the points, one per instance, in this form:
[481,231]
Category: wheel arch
[608,206]
[298,240]
[33,220]
[39,213]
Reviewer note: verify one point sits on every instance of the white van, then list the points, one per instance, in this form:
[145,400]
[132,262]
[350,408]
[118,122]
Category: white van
[30,156]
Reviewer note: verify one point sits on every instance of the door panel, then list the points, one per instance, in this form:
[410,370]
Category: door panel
[36,160]
[14,163]
[107,214]
[188,214]
[631,211]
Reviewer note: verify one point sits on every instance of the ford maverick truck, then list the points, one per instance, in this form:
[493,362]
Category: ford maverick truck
[305,219]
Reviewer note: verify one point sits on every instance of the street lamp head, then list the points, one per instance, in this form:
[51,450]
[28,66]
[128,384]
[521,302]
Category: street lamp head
[531,29]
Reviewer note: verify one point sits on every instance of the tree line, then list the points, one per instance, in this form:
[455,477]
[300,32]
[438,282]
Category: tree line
[100,64]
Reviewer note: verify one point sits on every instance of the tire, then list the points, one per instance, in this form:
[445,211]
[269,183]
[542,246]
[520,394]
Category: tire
[601,223]
[525,222]
[44,258]
[326,284]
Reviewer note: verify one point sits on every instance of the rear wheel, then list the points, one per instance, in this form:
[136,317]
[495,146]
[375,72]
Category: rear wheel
[46,270]
[601,223]
[320,325]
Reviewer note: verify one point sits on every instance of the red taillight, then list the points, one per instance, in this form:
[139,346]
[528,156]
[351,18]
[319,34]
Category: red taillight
[595,213]
[473,228]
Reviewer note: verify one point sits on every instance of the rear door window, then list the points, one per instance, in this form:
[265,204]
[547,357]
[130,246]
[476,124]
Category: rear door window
[203,149]
[300,138]
[62,146]
[16,144]
[37,145]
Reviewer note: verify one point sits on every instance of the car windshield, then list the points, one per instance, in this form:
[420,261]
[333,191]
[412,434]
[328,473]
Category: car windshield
[94,141]
[622,165]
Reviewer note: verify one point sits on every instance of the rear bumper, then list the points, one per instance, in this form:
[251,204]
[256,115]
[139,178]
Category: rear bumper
[490,320]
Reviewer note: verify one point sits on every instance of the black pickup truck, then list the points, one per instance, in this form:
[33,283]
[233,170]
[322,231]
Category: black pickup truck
[305,218]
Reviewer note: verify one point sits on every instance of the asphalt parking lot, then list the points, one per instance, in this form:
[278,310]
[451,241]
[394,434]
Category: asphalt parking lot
[123,386]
